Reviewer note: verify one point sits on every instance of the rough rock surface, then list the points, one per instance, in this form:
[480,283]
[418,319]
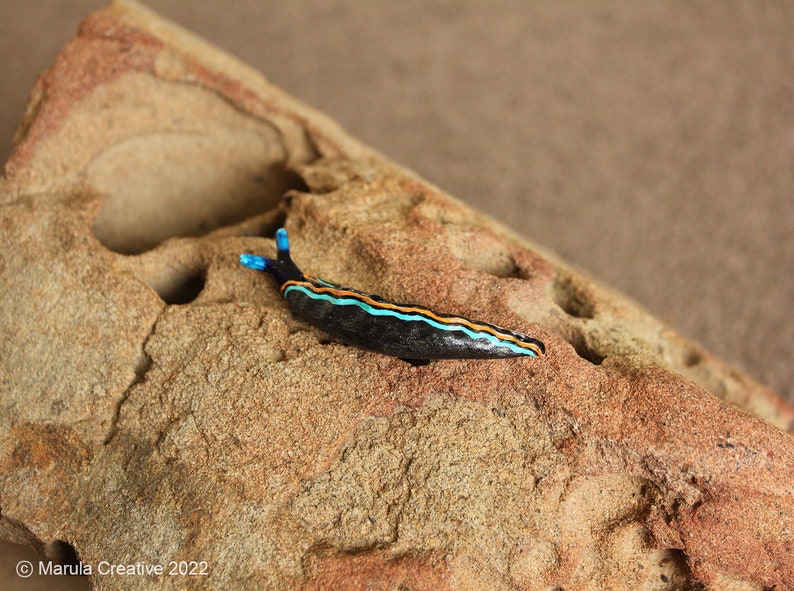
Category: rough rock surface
[160,403]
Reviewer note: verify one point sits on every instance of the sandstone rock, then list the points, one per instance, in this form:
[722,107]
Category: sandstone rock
[161,404]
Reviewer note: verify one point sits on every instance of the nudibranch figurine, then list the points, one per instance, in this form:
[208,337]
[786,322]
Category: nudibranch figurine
[407,331]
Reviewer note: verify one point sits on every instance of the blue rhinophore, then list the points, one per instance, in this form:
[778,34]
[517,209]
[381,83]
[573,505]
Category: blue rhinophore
[254,262]
[282,241]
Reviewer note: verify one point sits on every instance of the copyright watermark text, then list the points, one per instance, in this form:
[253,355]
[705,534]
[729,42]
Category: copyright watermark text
[172,568]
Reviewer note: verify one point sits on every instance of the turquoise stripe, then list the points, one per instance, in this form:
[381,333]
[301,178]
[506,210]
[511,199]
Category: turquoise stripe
[410,317]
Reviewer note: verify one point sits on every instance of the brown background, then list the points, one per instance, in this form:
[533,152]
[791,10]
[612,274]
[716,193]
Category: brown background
[651,145]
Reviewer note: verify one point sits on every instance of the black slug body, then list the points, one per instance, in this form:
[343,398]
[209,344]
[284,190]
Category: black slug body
[370,322]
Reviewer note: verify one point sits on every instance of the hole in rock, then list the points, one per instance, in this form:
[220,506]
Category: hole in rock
[160,186]
[23,560]
[576,338]
[671,565]
[63,553]
[692,357]
[182,288]
[573,298]
[585,352]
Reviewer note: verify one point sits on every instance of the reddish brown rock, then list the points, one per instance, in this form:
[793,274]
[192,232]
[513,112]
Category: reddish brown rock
[160,402]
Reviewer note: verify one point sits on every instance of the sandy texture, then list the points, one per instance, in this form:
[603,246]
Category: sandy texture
[160,402]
